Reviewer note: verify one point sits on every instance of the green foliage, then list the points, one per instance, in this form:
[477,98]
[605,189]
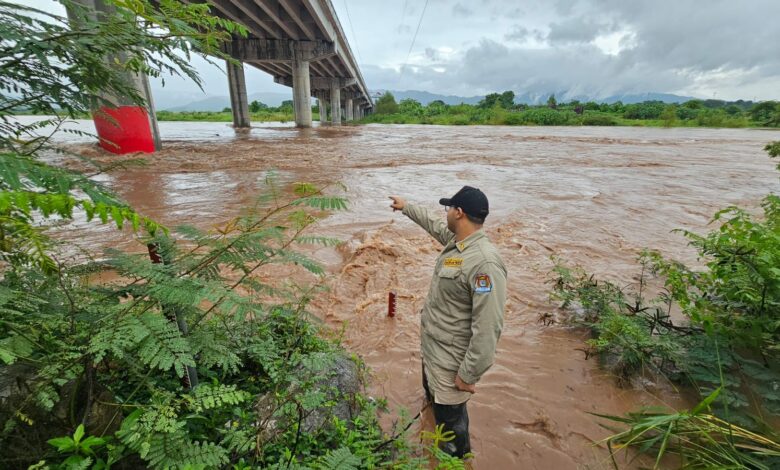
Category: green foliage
[505,100]
[698,439]
[499,109]
[256,106]
[81,451]
[669,115]
[766,113]
[594,118]
[624,330]
[117,362]
[386,104]
[270,114]
[546,117]
[645,110]
[59,68]
[410,107]
[339,459]
[728,348]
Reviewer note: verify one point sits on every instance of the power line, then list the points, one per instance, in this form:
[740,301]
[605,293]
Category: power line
[354,38]
[416,31]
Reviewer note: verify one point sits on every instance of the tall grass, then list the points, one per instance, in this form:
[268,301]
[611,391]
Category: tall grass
[699,439]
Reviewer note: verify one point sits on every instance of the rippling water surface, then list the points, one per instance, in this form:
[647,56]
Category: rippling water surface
[593,196]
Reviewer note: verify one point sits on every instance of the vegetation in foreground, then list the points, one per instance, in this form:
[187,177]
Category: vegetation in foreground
[500,109]
[727,350]
[188,359]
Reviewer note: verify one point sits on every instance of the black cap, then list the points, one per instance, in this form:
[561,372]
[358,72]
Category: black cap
[471,200]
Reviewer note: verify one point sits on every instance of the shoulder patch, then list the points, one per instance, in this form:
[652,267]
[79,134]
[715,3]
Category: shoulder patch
[482,284]
[453,262]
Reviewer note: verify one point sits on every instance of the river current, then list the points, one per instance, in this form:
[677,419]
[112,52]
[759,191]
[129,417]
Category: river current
[590,196]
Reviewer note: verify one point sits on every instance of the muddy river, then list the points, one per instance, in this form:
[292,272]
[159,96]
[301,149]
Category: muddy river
[592,196]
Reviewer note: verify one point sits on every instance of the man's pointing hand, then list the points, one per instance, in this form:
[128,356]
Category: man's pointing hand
[398,203]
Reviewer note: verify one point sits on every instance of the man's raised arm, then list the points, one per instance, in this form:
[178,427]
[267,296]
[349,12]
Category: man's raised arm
[423,217]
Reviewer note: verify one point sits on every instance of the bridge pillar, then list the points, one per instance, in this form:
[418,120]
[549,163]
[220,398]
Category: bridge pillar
[122,126]
[349,109]
[239,103]
[322,102]
[335,101]
[301,91]
[356,111]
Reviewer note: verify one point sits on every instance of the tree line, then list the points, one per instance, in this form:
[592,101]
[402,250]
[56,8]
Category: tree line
[500,108]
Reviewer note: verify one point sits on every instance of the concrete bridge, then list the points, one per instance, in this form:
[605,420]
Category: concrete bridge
[300,42]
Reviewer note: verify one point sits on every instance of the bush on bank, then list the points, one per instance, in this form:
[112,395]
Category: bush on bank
[187,359]
[727,350]
[495,111]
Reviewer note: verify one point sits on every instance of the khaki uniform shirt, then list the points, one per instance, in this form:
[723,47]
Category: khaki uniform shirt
[464,311]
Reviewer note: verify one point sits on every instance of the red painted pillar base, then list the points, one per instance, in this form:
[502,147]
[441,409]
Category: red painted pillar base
[124,129]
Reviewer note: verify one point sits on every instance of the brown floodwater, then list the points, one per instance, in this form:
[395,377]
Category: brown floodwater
[591,196]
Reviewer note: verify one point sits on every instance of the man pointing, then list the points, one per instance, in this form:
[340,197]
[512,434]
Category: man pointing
[464,311]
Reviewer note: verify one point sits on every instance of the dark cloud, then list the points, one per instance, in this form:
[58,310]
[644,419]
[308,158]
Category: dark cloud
[605,47]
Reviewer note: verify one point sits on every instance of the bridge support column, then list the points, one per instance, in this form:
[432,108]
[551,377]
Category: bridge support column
[123,126]
[335,102]
[301,91]
[349,109]
[322,102]
[239,103]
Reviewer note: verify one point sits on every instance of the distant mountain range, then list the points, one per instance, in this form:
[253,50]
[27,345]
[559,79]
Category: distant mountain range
[166,102]
[172,101]
[425,97]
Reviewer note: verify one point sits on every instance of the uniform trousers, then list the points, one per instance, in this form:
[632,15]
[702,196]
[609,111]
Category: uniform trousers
[455,418]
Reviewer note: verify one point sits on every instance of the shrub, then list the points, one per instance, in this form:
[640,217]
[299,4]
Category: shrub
[386,104]
[592,118]
[730,342]
[645,110]
[546,117]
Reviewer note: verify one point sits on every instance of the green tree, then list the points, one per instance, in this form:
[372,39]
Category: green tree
[504,100]
[489,100]
[592,106]
[766,113]
[644,110]
[410,107]
[112,356]
[669,115]
[386,104]
[693,104]
[435,107]
[551,102]
[256,106]
[617,107]
[733,110]
[507,99]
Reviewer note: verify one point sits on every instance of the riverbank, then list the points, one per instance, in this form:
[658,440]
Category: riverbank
[543,117]
[492,118]
[593,196]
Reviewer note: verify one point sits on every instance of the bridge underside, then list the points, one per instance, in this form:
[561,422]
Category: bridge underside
[302,45]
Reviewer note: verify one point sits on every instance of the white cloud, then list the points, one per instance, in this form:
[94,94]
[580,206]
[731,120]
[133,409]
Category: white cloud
[701,48]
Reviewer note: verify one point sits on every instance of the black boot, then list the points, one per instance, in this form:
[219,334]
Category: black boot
[456,419]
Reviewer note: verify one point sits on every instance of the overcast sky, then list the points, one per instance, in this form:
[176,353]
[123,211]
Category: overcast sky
[727,49]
